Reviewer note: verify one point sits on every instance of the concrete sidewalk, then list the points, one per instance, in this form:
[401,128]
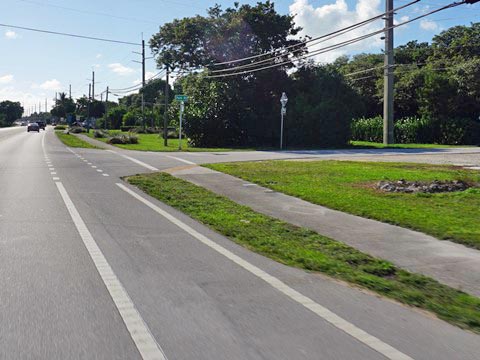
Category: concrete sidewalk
[449,263]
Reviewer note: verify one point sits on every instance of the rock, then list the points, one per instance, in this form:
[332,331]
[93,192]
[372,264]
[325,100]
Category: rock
[436,186]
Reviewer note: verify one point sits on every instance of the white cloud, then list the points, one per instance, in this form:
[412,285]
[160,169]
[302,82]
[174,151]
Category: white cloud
[317,21]
[9,34]
[53,85]
[120,69]
[97,66]
[27,99]
[98,56]
[428,25]
[6,79]
[137,81]
[404,18]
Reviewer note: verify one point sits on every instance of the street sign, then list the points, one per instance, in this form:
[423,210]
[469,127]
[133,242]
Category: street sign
[181,97]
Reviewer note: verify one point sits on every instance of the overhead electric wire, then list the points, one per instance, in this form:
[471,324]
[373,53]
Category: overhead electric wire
[334,33]
[70,35]
[323,37]
[46,3]
[137,86]
[334,47]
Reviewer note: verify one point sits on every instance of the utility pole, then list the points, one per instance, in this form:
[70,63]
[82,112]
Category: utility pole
[165,132]
[143,63]
[143,78]
[46,105]
[70,91]
[93,84]
[106,109]
[89,97]
[388,76]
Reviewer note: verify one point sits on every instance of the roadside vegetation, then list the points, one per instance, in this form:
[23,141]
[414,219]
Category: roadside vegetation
[74,141]
[380,145]
[306,249]
[350,187]
[151,142]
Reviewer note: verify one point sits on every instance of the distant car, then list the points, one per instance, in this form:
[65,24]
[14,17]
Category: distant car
[33,127]
[24,123]
[41,124]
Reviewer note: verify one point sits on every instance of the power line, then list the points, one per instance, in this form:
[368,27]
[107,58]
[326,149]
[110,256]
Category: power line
[336,46]
[70,35]
[138,86]
[329,35]
[88,11]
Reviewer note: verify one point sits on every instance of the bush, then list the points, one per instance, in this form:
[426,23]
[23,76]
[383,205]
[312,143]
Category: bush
[123,139]
[60,127]
[127,128]
[100,134]
[456,131]
[77,130]
[370,129]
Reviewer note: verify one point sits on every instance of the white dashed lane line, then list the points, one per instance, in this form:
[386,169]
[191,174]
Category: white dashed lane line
[88,163]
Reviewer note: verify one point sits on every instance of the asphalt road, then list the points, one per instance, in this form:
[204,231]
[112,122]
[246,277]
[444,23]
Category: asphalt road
[90,269]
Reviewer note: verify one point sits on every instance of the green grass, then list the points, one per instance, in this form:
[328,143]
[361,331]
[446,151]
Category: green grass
[73,141]
[369,144]
[349,186]
[153,142]
[305,249]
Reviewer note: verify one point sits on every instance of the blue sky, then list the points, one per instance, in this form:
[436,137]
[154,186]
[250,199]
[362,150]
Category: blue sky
[34,66]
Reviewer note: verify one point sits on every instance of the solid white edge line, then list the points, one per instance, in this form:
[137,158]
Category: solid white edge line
[141,163]
[371,341]
[179,159]
[145,342]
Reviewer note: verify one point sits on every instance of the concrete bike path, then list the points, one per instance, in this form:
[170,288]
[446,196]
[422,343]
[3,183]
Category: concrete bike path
[447,262]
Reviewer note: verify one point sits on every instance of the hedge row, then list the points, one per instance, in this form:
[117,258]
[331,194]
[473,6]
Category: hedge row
[456,131]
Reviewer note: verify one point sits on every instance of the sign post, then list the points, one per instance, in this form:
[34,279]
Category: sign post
[283,101]
[182,99]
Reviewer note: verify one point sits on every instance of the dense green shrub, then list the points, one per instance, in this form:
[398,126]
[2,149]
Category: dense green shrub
[127,128]
[60,127]
[123,139]
[455,131]
[100,134]
[77,130]
[368,129]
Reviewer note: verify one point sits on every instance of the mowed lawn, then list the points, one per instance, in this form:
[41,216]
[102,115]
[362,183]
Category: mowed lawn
[73,141]
[350,187]
[154,142]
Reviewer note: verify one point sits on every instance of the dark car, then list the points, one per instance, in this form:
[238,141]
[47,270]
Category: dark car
[41,124]
[33,127]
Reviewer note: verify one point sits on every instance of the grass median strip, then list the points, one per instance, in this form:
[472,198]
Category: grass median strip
[350,187]
[306,249]
[73,141]
[153,142]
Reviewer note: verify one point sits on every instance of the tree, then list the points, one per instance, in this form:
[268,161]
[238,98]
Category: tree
[63,106]
[317,112]
[242,106]
[115,116]
[10,111]
[365,81]
[224,35]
